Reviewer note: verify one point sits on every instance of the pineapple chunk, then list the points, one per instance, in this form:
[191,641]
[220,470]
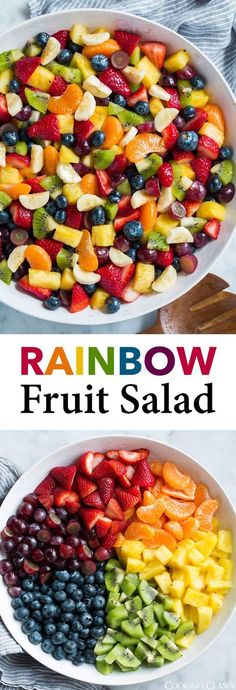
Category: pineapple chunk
[186,170]
[67,279]
[103,235]
[215,571]
[211,209]
[151,570]
[66,124]
[228,566]
[178,574]
[214,585]
[9,175]
[76,33]
[198,98]
[209,130]
[99,116]
[195,598]
[41,79]
[206,545]
[191,613]
[177,61]
[206,564]
[131,548]
[81,62]
[179,557]
[164,582]
[148,555]
[44,279]
[216,601]
[151,73]
[224,541]
[73,192]
[177,589]
[185,641]
[177,607]
[155,105]
[5,78]
[215,523]
[67,155]
[98,299]
[163,554]
[192,574]
[144,277]
[187,544]
[205,614]
[67,235]
[195,556]
[134,565]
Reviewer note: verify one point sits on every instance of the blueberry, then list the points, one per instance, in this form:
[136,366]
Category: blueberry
[77,577]
[176,264]
[71,588]
[209,197]
[68,139]
[17,602]
[28,626]
[58,586]
[119,100]
[99,577]
[85,632]
[50,629]
[79,659]
[14,86]
[132,253]
[44,588]
[42,38]
[97,138]
[81,645]
[22,613]
[76,626]
[47,646]
[133,230]
[35,605]
[90,289]
[187,141]
[98,632]
[51,208]
[99,602]
[197,82]
[64,56]
[141,108]
[225,153]
[58,638]
[63,628]
[86,619]
[89,656]
[214,184]
[67,617]
[89,590]
[27,597]
[46,599]
[137,181]
[10,138]
[61,201]
[114,196]
[70,647]
[91,643]
[73,47]
[4,217]
[90,579]
[99,62]
[98,620]
[59,653]
[37,616]
[60,216]
[68,606]
[49,611]
[188,112]
[112,305]
[60,596]
[35,637]
[98,216]
[81,607]
[62,575]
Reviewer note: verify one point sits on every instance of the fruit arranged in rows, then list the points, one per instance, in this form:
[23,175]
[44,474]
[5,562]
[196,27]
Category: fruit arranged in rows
[113,168]
[116,560]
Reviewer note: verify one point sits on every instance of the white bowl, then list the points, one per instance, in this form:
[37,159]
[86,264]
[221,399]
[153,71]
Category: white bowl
[67,455]
[219,91]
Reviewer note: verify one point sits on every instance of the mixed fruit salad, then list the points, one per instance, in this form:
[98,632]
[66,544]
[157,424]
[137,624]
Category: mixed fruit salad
[116,561]
[113,167]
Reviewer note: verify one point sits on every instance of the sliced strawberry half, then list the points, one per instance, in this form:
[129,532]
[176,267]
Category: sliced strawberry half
[114,279]
[85,463]
[47,486]
[143,476]
[4,114]
[46,128]
[90,516]
[140,95]
[62,36]
[119,164]
[25,67]
[201,166]
[46,500]
[155,51]
[40,293]
[17,161]
[212,228]
[58,86]
[183,156]
[127,40]
[113,510]
[170,135]
[21,216]
[191,207]
[85,486]
[61,498]
[133,456]
[109,541]
[112,454]
[103,526]
[94,500]
[82,129]
[34,183]
[79,299]
[106,487]
[104,469]
[116,81]
[73,217]
[197,121]
[52,247]
[72,507]
[174,101]
[126,499]
[119,223]
[118,526]
[208,147]
[103,181]
[64,475]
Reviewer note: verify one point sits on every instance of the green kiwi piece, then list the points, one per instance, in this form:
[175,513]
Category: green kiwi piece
[116,616]
[164,631]
[225,170]
[113,579]
[70,74]
[149,641]
[154,162]
[125,189]
[184,629]
[147,593]
[157,241]
[130,584]
[43,223]
[185,91]
[142,650]
[178,190]
[8,57]
[63,259]
[171,619]
[154,659]
[123,597]
[130,118]
[5,272]
[112,563]
[125,640]
[151,630]
[32,49]
[112,655]
[110,638]
[51,183]
[168,649]
[102,648]
[194,224]
[146,616]
[111,209]
[135,56]
[102,159]
[167,603]
[5,200]
[103,667]
[113,600]
[126,658]
[134,606]
[159,610]
[132,627]
[21,148]
[38,100]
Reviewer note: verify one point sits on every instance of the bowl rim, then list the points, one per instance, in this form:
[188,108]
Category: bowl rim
[129,680]
[140,310]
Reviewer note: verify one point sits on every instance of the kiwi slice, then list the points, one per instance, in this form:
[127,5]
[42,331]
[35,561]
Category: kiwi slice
[70,74]
[151,630]
[168,649]
[171,619]
[103,667]
[154,659]
[112,655]
[114,109]
[134,606]
[112,563]
[146,616]
[102,648]
[5,200]
[130,584]
[159,610]
[51,183]
[132,627]
[157,241]
[32,49]
[149,641]
[43,223]
[38,100]
[193,224]
[113,579]
[154,163]
[142,651]
[125,189]
[123,597]
[164,631]
[178,190]
[125,640]
[125,657]
[102,159]
[113,600]
[116,616]
[135,56]
[185,91]
[21,148]
[111,210]
[184,629]
[225,170]
[110,637]
[130,118]
[5,272]
[8,57]
[147,593]
[63,259]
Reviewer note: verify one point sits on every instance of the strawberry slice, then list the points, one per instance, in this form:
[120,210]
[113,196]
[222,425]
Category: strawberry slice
[114,279]
[109,468]
[94,500]
[52,247]
[34,183]
[72,507]
[132,456]
[113,510]
[164,259]
[104,185]
[17,161]
[79,300]
[183,156]
[120,222]
[46,500]
[62,36]
[118,526]
[191,207]
[90,516]
[126,499]
[109,541]
[40,293]
[112,454]
[58,86]
[170,135]
[174,101]
[124,206]
[140,95]
[63,497]
[47,486]
[20,215]
[103,525]
[106,487]
[197,121]
[212,228]
[116,81]
[4,114]
[64,475]
[98,457]
[155,52]
[127,40]
[85,463]
[119,164]
[201,167]
[85,486]
[143,476]
[46,128]
[82,130]
[73,217]
[208,147]
[25,67]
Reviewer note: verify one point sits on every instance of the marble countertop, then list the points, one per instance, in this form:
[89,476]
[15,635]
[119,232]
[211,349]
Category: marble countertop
[15,322]
[216,667]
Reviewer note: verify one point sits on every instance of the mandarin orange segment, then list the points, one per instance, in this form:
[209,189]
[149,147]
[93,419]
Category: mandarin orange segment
[148,215]
[15,190]
[215,115]
[175,478]
[113,130]
[151,513]
[106,48]
[138,530]
[190,495]
[157,488]
[142,145]
[201,494]
[88,260]
[156,468]
[38,258]
[161,537]
[68,102]
[175,529]
[178,510]
[148,498]
[51,159]
[89,184]
[190,527]
[205,512]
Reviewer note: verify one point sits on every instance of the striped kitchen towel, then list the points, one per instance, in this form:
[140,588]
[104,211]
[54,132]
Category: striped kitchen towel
[19,671]
[210,24]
